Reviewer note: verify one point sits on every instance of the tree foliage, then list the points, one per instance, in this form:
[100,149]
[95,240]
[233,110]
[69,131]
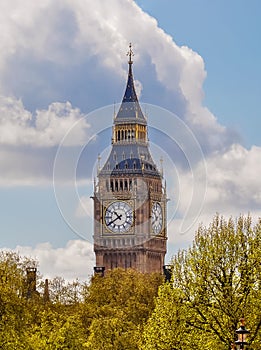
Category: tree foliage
[215,283]
[107,313]
[117,306]
[28,322]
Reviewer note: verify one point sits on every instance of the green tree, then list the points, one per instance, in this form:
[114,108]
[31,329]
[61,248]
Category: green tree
[66,293]
[116,307]
[56,329]
[13,304]
[31,323]
[215,283]
[166,328]
[113,332]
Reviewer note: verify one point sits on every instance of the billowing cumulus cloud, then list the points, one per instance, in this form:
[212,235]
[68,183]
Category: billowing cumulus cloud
[46,129]
[29,141]
[76,51]
[75,260]
[233,180]
[232,188]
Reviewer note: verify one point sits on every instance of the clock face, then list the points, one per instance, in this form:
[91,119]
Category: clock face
[119,217]
[156,218]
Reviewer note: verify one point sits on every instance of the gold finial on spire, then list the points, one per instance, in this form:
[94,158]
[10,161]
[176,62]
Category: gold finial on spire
[130,54]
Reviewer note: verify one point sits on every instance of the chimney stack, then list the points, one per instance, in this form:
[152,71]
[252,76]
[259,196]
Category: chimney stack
[31,281]
[46,296]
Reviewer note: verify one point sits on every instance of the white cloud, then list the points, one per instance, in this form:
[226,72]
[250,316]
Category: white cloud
[75,260]
[233,179]
[233,188]
[30,26]
[66,33]
[29,142]
[46,129]
[69,34]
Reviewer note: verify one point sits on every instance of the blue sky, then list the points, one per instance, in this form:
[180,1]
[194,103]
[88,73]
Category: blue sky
[63,66]
[226,34]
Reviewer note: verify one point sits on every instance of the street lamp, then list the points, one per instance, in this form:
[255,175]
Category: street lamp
[242,333]
[167,270]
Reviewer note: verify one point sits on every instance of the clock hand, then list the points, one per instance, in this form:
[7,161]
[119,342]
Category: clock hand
[117,218]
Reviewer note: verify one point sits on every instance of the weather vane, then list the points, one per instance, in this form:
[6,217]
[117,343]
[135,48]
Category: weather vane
[130,54]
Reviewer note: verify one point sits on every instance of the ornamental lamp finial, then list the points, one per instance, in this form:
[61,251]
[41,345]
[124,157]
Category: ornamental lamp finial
[130,54]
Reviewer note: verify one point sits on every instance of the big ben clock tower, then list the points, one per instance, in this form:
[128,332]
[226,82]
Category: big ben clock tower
[129,196]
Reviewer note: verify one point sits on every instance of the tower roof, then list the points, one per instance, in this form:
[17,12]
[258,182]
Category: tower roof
[130,110]
[130,154]
[130,159]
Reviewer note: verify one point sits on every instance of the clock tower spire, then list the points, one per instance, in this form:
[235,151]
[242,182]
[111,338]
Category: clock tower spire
[130,198]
